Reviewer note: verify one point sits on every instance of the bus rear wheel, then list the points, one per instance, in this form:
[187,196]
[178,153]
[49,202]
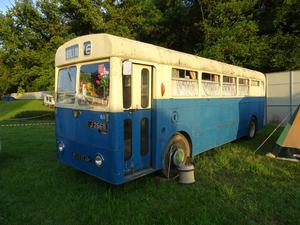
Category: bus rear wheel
[178,152]
[252,128]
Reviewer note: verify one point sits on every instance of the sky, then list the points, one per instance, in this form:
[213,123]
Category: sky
[4,4]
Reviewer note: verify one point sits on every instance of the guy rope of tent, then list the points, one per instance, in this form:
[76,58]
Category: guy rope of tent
[288,144]
[271,134]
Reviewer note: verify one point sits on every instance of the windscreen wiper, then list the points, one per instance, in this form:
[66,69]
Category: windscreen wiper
[69,76]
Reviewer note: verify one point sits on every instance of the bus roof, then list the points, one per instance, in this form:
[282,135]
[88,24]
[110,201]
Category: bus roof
[106,45]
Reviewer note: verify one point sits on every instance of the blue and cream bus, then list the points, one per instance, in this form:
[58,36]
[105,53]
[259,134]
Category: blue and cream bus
[125,108]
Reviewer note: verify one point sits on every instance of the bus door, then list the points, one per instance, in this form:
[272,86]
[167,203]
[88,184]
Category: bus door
[137,124]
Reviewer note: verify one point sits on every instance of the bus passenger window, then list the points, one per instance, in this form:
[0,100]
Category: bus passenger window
[206,76]
[126,91]
[230,80]
[254,83]
[243,81]
[144,136]
[185,74]
[184,83]
[193,75]
[211,84]
[175,73]
[229,86]
[243,87]
[145,88]
[127,139]
[210,77]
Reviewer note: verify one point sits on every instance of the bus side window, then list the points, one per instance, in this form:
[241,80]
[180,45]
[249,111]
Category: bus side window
[254,83]
[210,77]
[184,74]
[126,91]
[229,86]
[211,85]
[145,88]
[144,136]
[243,87]
[127,139]
[184,83]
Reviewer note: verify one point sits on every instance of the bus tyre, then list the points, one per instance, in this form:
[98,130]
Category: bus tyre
[252,128]
[178,152]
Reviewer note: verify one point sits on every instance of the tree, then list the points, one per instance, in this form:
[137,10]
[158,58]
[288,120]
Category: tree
[232,35]
[279,21]
[30,35]
[260,34]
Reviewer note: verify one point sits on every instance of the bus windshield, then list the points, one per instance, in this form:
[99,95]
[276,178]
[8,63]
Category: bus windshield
[66,85]
[94,84]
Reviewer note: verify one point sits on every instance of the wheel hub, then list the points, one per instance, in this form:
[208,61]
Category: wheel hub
[178,155]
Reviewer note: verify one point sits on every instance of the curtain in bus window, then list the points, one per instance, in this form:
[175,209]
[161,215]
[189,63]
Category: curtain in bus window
[211,84]
[184,83]
[243,87]
[229,86]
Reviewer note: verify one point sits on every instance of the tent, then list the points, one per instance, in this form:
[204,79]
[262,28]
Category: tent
[289,140]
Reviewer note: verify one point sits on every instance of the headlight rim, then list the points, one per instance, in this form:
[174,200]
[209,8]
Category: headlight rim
[61,146]
[99,160]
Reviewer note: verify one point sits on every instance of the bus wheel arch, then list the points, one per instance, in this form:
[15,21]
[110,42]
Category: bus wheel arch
[178,151]
[188,138]
[252,127]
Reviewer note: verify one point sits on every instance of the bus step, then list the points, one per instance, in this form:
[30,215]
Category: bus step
[138,174]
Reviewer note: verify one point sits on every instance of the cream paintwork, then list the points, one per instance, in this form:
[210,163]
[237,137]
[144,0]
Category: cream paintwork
[162,60]
[136,86]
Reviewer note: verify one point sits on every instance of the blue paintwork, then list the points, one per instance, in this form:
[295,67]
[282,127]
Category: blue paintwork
[208,123]
[79,138]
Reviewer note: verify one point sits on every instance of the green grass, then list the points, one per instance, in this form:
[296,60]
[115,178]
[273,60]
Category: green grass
[23,109]
[233,186]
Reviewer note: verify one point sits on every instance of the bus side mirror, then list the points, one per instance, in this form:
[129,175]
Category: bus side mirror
[127,68]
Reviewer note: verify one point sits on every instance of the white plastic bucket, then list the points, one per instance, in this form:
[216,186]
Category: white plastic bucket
[186,174]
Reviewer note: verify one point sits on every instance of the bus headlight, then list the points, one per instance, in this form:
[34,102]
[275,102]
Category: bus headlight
[61,146]
[99,160]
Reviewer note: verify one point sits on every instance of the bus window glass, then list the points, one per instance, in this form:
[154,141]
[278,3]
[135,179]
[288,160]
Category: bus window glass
[211,84]
[230,80]
[66,87]
[254,83]
[126,91]
[145,88]
[127,139]
[229,86]
[184,83]
[243,87]
[262,88]
[94,84]
[144,141]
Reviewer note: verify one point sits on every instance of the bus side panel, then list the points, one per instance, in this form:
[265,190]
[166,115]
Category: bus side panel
[209,122]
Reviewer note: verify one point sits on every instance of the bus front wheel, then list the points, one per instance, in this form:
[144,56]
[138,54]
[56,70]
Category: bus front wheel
[178,152]
[252,128]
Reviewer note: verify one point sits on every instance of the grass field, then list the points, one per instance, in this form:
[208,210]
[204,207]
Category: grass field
[23,108]
[233,186]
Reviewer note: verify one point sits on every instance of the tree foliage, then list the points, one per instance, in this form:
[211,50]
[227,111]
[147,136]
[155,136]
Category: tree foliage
[259,34]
